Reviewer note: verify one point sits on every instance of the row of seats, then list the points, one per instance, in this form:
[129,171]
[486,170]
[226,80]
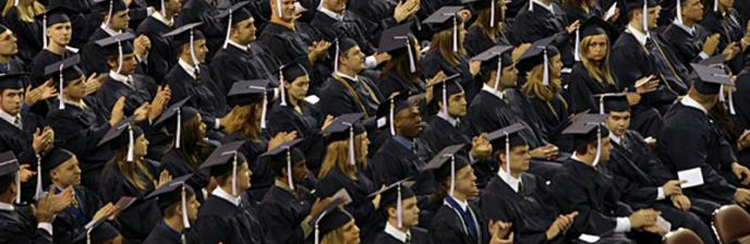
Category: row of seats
[731,225]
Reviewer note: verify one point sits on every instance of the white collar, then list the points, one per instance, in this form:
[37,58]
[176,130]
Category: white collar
[127,80]
[614,137]
[342,75]
[163,19]
[9,118]
[463,204]
[448,118]
[690,30]
[549,7]
[6,207]
[187,67]
[396,233]
[575,157]
[497,93]
[109,31]
[241,47]
[509,179]
[336,16]
[220,193]
[690,102]
[640,36]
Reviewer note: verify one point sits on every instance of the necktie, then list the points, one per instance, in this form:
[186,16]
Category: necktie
[649,44]
[408,238]
[520,188]
[17,123]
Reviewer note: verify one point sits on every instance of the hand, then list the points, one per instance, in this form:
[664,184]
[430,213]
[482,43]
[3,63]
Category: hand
[741,172]
[429,93]
[742,197]
[672,187]
[731,51]
[499,229]
[572,27]
[26,173]
[141,45]
[643,218]
[561,224]
[480,146]
[465,15]
[633,98]
[327,122]
[317,49]
[376,199]
[615,16]
[104,212]
[651,142]
[519,50]
[164,178]
[655,229]
[711,43]
[94,82]
[163,95]
[651,84]
[681,202]
[319,205]
[117,113]
[41,93]
[405,10]
[281,138]
[141,112]
[475,67]
[382,57]
[548,151]
[38,142]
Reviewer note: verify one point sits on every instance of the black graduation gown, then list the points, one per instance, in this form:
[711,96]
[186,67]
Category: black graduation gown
[29,34]
[418,236]
[741,120]
[161,56]
[163,234]
[477,41]
[92,55]
[488,113]
[583,87]
[554,118]
[144,90]
[177,166]
[283,212]
[732,29]
[222,221]
[352,27]
[434,62]
[137,221]
[20,142]
[205,95]
[573,13]
[368,219]
[686,46]
[541,23]
[70,222]
[390,83]
[448,227]
[41,60]
[394,162]
[286,45]
[691,139]
[263,176]
[233,64]
[20,226]
[15,65]
[80,131]
[531,211]
[307,125]
[336,98]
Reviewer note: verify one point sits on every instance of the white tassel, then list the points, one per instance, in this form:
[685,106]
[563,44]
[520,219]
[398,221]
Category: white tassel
[499,72]
[192,52]
[645,18]
[317,230]
[412,63]
[445,98]
[507,153]
[455,34]
[601,104]
[131,146]
[39,189]
[61,106]
[731,104]
[721,94]
[44,31]
[15,4]
[336,59]
[453,174]
[390,117]
[163,9]
[577,50]
[234,176]
[18,187]
[492,13]
[229,30]
[109,13]
[281,86]
[263,111]
[716,5]
[679,12]
[398,206]
[179,129]
[531,5]
[88,235]
[352,160]
[545,77]
[185,220]
[289,177]
[598,145]
[278,8]
[119,57]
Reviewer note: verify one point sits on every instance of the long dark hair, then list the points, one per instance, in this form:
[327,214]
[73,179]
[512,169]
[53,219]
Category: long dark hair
[193,149]
[399,65]
[130,170]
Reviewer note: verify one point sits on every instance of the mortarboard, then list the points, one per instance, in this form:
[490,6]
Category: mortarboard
[539,53]
[8,168]
[485,4]
[174,191]
[612,102]
[345,127]
[446,18]
[57,14]
[12,81]
[395,194]
[67,71]
[249,92]
[397,39]
[389,108]
[342,44]
[236,13]
[587,128]
[709,80]
[186,34]
[225,159]
[287,155]
[644,5]
[445,88]
[97,231]
[122,134]
[443,170]
[54,158]
[290,71]
[331,218]
[512,139]
[591,27]
[175,116]
[495,58]
[117,45]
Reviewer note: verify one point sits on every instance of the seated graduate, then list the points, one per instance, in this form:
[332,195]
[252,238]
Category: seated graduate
[22,132]
[62,172]
[288,206]
[179,206]
[26,224]
[581,187]
[58,31]
[347,91]
[294,112]
[80,121]
[691,140]
[128,174]
[335,225]
[192,78]
[161,56]
[344,167]
[378,16]
[642,179]
[402,216]
[247,123]
[544,19]
[447,53]
[401,73]
[20,17]
[229,215]
[115,20]
[458,220]
[520,198]
[724,19]
[489,29]
[9,60]
[740,120]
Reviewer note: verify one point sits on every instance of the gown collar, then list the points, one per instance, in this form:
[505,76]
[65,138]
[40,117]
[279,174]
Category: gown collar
[6,207]
[220,193]
[396,233]
[509,179]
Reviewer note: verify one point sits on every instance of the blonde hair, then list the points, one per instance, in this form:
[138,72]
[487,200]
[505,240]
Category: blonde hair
[242,120]
[483,20]
[600,71]
[337,155]
[334,237]
[442,42]
[130,170]
[26,11]
[535,87]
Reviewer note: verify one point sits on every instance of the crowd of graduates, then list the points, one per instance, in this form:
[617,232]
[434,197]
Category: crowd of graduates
[371,121]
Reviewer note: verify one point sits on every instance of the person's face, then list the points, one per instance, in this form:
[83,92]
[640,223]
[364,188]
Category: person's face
[245,31]
[556,65]
[201,126]
[174,6]
[503,8]
[417,47]
[299,171]
[597,48]
[606,146]
[653,15]
[618,122]
[298,88]
[10,101]
[355,59]
[338,5]
[519,159]
[67,174]
[129,64]
[76,89]
[200,49]
[466,180]
[119,20]
[243,177]
[692,9]
[364,144]
[60,33]
[141,146]
[726,3]
[409,212]
[8,43]
[192,206]
[287,9]
[457,105]
[509,77]
[410,122]
[351,233]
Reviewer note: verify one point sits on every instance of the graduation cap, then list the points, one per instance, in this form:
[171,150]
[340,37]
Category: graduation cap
[709,79]
[512,139]
[612,102]
[395,194]
[123,133]
[445,18]
[290,71]
[111,7]
[591,27]
[331,218]
[445,88]
[8,168]
[97,232]
[495,57]
[225,159]
[186,34]
[174,116]
[174,191]
[158,5]
[389,108]
[345,127]
[397,39]
[286,155]
[251,92]
[586,128]
[539,53]
[644,5]
[12,81]
[485,4]
[236,14]
[67,71]
[443,170]
[54,158]
[117,45]
[342,45]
